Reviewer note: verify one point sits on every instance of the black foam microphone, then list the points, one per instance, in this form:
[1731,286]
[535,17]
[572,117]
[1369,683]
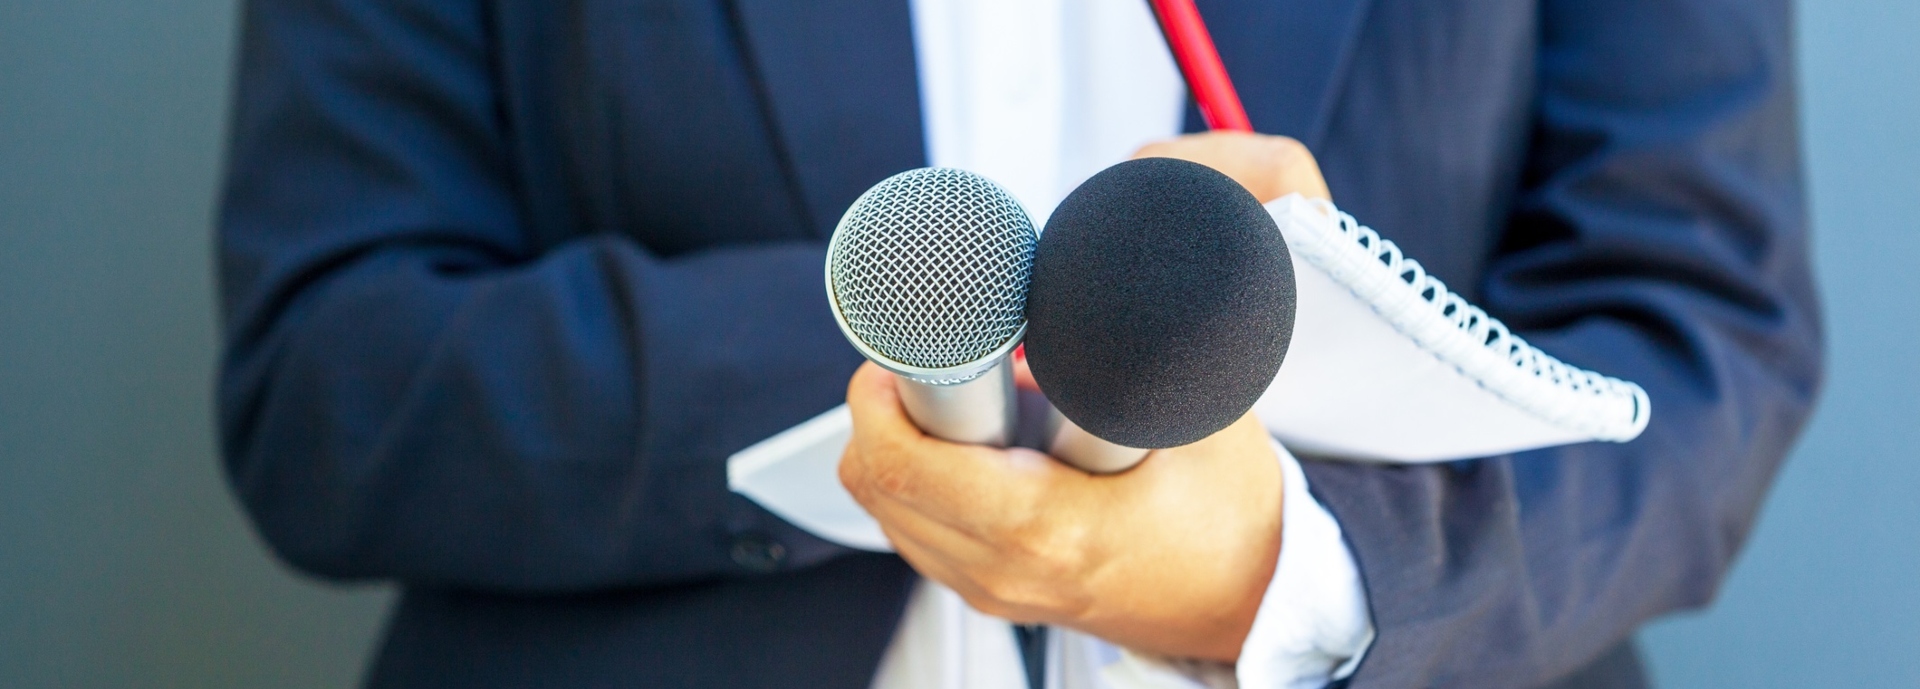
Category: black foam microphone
[1160,308]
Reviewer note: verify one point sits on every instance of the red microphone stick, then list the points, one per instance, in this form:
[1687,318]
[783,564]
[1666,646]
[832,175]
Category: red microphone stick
[1200,62]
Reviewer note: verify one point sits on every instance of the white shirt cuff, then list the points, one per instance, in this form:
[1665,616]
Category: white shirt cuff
[1313,625]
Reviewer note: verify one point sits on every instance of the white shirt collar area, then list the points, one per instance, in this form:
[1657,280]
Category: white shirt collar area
[1038,95]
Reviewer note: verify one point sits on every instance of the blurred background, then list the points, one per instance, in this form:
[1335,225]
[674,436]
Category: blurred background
[125,563]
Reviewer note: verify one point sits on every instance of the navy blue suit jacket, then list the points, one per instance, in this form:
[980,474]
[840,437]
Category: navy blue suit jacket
[506,282]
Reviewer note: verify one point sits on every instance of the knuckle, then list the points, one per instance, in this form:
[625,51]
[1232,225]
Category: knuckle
[989,605]
[853,476]
[1010,599]
[893,479]
[1024,599]
[1290,152]
[1054,548]
[877,465]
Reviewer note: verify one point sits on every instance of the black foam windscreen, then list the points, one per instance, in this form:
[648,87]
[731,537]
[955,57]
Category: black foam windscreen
[1161,304]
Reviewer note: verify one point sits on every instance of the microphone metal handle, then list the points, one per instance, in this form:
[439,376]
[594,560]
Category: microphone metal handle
[1093,454]
[980,411]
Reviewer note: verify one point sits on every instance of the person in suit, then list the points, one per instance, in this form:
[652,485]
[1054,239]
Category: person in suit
[505,283]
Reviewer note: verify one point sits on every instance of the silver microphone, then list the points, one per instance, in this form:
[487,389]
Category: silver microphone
[927,274]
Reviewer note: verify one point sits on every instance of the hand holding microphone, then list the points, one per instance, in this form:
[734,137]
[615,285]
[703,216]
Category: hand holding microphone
[1171,557]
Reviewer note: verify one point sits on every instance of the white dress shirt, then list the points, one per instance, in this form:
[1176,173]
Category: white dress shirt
[1039,95]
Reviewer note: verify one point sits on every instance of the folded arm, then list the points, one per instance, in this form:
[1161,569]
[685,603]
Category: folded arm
[1660,238]
[418,386]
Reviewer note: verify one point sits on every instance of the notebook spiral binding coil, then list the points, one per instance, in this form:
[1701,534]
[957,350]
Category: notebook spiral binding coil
[1460,334]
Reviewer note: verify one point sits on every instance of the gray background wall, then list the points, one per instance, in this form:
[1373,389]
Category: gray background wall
[124,563]
[1828,591]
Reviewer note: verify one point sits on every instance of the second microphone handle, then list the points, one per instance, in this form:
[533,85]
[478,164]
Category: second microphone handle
[1093,454]
[983,411]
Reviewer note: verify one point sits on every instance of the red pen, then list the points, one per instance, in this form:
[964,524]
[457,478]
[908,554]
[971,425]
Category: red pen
[1200,63]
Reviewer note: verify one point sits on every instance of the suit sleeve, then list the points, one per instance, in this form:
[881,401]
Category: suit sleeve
[1659,237]
[414,388]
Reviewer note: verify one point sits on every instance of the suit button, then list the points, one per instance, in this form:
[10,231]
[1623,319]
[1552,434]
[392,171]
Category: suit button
[758,553]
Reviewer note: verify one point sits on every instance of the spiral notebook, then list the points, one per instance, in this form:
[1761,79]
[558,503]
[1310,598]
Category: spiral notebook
[1386,365]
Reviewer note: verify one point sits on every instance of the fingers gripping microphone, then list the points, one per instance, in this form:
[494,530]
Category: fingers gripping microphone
[1161,307]
[927,273]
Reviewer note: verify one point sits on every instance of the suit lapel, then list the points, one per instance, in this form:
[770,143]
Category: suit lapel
[839,81]
[1286,57]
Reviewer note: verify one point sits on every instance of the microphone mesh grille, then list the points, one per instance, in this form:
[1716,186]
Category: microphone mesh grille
[930,267]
